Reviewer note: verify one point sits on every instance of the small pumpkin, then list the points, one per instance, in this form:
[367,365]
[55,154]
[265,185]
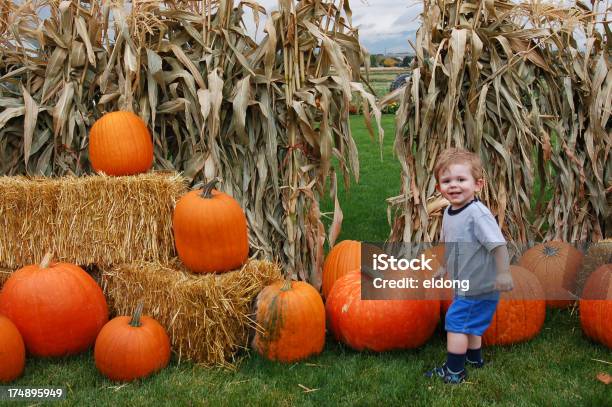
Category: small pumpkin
[596,306]
[130,348]
[292,317]
[120,144]
[12,351]
[210,231]
[556,265]
[341,259]
[57,307]
[520,313]
[382,324]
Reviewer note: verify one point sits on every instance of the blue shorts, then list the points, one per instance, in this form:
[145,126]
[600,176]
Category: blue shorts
[471,316]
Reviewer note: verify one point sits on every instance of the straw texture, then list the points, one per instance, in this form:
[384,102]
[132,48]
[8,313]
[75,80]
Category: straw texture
[208,317]
[88,220]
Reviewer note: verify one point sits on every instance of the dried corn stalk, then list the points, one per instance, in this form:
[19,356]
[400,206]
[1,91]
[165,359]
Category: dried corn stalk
[510,82]
[267,117]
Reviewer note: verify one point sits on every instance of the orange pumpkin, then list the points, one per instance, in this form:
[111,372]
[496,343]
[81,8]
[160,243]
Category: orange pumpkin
[292,316]
[57,307]
[556,265]
[342,258]
[520,313]
[210,231]
[12,351]
[130,348]
[382,324]
[120,144]
[596,306]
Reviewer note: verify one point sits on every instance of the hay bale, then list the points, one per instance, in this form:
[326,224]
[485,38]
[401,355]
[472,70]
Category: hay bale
[4,275]
[208,317]
[87,220]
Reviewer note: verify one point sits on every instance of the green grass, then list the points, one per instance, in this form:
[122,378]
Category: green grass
[554,369]
[380,79]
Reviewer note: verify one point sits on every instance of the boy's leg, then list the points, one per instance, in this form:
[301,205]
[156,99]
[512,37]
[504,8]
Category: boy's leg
[474,351]
[457,345]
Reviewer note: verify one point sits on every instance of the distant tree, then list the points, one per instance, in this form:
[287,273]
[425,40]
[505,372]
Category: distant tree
[373,60]
[406,61]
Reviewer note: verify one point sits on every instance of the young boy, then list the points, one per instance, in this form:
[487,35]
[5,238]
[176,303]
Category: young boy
[475,250]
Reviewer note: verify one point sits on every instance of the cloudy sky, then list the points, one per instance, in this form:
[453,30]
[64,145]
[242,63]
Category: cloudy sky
[384,25]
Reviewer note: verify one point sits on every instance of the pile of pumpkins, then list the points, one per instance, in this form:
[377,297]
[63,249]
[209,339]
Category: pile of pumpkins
[57,309]
[544,277]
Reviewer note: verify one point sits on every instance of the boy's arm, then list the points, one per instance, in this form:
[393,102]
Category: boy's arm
[503,281]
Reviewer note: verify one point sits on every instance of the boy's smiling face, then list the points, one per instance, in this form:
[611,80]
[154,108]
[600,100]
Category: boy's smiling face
[458,186]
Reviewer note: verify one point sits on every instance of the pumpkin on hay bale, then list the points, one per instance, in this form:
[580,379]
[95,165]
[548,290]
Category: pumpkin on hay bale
[520,313]
[596,306]
[120,144]
[556,265]
[211,222]
[89,219]
[207,316]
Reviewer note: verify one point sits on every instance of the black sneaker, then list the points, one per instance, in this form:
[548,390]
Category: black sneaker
[446,375]
[473,364]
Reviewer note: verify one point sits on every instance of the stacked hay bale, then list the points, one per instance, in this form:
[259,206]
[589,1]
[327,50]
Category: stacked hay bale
[88,220]
[121,227]
[208,317]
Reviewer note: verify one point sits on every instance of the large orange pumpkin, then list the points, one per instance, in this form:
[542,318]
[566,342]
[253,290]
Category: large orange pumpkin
[210,231]
[596,306]
[520,313]
[556,265]
[292,317]
[12,351]
[58,308]
[120,144]
[130,348]
[382,324]
[341,259]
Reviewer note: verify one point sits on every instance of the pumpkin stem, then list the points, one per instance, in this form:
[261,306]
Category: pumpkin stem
[550,251]
[208,187]
[135,322]
[46,261]
[287,285]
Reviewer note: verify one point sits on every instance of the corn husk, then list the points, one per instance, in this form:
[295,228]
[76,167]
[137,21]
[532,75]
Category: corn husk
[88,220]
[510,82]
[208,317]
[268,116]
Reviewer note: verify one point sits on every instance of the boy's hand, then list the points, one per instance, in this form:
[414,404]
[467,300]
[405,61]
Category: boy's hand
[440,273]
[504,282]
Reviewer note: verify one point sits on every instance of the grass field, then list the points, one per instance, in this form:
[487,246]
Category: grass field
[555,369]
[381,78]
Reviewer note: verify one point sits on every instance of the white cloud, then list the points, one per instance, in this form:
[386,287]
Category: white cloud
[383,24]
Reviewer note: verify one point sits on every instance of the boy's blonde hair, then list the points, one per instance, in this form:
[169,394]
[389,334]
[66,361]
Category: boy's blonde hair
[459,156]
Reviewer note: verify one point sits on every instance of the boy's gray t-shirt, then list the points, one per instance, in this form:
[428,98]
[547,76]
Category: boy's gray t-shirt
[469,235]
